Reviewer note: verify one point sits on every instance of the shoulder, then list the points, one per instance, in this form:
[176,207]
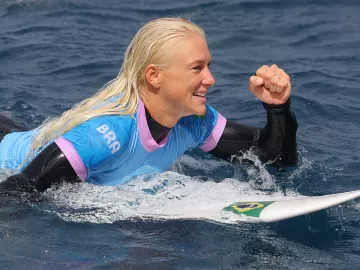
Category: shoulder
[117,125]
[102,132]
[104,124]
[205,129]
[96,140]
[111,121]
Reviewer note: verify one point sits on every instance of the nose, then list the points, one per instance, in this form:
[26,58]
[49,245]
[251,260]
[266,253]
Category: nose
[209,79]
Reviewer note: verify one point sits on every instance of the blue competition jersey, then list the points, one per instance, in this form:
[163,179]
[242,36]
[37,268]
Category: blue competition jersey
[110,150]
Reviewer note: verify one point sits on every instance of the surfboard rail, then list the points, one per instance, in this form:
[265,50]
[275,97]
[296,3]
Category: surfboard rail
[272,211]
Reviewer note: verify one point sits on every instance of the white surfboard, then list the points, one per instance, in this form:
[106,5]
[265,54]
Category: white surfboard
[271,211]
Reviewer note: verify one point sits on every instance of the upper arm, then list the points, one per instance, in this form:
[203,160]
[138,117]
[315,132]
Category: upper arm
[97,140]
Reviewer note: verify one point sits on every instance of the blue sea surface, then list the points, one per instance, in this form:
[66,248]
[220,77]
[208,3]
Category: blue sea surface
[54,53]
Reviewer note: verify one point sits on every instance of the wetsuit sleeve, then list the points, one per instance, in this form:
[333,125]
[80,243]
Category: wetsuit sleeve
[275,142]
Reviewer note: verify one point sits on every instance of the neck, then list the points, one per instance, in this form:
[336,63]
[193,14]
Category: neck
[159,110]
[158,131]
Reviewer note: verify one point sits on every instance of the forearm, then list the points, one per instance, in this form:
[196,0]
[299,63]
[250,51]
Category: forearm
[275,142]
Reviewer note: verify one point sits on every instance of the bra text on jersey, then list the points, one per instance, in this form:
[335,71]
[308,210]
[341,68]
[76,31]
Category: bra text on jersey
[110,136]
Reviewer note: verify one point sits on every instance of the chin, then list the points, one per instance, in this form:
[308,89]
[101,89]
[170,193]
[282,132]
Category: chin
[200,110]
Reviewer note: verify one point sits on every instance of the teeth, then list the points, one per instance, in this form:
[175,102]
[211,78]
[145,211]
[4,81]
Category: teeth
[199,94]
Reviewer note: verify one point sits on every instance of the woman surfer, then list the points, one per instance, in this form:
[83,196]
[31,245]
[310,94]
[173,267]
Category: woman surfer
[150,114]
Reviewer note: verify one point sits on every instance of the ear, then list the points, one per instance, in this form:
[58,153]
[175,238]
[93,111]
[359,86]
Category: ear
[152,75]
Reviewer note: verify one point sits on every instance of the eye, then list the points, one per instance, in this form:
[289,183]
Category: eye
[197,68]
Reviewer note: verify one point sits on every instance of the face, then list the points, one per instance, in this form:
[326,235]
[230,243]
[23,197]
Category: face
[184,85]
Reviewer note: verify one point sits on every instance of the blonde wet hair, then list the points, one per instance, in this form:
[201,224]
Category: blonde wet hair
[155,43]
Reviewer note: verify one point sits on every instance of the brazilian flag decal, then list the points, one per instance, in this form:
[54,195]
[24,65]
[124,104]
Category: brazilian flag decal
[252,209]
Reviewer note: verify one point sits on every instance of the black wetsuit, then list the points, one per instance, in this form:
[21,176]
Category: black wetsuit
[275,142]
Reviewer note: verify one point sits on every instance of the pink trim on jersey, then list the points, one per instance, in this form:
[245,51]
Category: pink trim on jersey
[73,157]
[146,139]
[215,135]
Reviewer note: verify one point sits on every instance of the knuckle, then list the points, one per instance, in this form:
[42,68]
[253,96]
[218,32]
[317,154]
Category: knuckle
[262,70]
[275,79]
[269,75]
[283,84]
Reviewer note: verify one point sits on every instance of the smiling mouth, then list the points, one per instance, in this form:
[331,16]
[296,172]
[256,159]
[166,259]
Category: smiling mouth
[202,95]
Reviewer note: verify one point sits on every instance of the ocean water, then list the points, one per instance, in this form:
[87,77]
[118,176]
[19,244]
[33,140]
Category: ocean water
[54,53]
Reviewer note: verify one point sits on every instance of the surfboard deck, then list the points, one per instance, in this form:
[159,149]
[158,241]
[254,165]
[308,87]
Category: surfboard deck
[272,211]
